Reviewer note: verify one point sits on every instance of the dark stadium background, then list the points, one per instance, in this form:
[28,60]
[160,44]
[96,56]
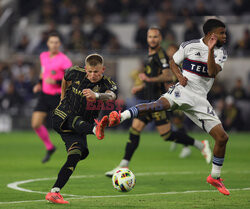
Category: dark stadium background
[117,30]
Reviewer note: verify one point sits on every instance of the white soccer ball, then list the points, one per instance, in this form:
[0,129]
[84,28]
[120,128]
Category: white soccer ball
[123,180]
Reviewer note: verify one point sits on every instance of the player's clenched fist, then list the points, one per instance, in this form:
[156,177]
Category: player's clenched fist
[89,94]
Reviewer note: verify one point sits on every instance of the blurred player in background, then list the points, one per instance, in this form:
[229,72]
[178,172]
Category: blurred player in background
[53,65]
[202,59]
[74,118]
[154,76]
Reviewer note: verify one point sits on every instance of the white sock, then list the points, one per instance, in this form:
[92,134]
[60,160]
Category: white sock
[55,189]
[124,163]
[94,130]
[198,144]
[216,170]
[125,115]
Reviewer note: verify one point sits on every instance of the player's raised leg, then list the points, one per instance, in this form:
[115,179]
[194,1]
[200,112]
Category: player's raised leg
[116,118]
[221,138]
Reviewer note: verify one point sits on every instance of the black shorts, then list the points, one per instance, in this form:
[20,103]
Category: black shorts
[74,140]
[160,118]
[46,102]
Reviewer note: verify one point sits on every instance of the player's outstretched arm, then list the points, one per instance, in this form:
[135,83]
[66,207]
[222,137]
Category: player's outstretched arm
[175,69]
[212,68]
[108,95]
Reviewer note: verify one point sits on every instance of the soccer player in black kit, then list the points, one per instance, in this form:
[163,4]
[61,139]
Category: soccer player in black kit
[72,118]
[154,76]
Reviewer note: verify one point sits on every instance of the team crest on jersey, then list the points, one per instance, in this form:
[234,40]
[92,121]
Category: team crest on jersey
[53,72]
[96,88]
[177,94]
[113,88]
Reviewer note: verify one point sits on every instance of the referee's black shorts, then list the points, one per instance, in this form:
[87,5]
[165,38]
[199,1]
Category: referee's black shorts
[46,102]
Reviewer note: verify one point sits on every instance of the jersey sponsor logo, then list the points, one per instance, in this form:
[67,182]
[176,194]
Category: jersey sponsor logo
[196,67]
[78,92]
[53,72]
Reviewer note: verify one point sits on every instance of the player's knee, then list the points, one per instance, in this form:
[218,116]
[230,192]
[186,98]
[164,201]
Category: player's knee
[82,152]
[222,138]
[85,153]
[35,125]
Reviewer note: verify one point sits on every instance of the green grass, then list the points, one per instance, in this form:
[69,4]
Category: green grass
[21,154]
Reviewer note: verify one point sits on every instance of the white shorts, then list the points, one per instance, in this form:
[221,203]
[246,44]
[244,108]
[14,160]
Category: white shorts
[196,107]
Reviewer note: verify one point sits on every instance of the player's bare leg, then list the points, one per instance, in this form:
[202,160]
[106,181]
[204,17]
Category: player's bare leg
[221,138]
[37,121]
[138,110]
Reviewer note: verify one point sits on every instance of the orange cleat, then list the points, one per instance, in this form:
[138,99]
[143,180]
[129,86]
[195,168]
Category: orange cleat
[218,184]
[114,118]
[100,126]
[55,197]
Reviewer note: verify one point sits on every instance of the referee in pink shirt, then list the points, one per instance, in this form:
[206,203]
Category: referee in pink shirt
[53,65]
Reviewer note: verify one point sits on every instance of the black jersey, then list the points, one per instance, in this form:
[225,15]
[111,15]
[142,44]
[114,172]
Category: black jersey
[153,67]
[74,102]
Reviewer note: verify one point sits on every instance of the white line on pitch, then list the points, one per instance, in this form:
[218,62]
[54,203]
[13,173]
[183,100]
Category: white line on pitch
[126,195]
[15,185]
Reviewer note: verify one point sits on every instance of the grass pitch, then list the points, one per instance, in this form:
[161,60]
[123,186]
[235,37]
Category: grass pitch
[163,179]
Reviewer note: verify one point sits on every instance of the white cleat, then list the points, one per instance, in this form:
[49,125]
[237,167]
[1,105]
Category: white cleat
[185,152]
[173,146]
[111,173]
[206,151]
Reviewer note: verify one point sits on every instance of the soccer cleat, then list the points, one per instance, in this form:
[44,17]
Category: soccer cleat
[114,118]
[185,152]
[218,184]
[111,173]
[100,126]
[55,197]
[48,155]
[206,151]
[173,146]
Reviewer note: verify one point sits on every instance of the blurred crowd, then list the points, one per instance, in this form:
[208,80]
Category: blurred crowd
[98,13]
[18,74]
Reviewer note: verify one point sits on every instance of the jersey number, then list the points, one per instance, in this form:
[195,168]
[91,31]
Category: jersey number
[210,111]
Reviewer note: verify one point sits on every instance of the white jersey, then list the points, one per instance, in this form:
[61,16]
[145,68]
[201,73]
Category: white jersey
[193,55]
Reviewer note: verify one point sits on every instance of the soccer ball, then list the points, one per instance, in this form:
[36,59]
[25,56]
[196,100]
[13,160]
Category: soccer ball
[123,180]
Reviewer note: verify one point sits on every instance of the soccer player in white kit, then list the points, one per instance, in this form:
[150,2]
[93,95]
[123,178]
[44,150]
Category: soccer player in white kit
[202,59]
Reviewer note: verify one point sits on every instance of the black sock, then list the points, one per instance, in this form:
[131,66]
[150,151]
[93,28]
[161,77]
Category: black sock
[131,146]
[178,137]
[67,170]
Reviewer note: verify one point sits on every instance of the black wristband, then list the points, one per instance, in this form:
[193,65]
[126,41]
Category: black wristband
[40,81]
